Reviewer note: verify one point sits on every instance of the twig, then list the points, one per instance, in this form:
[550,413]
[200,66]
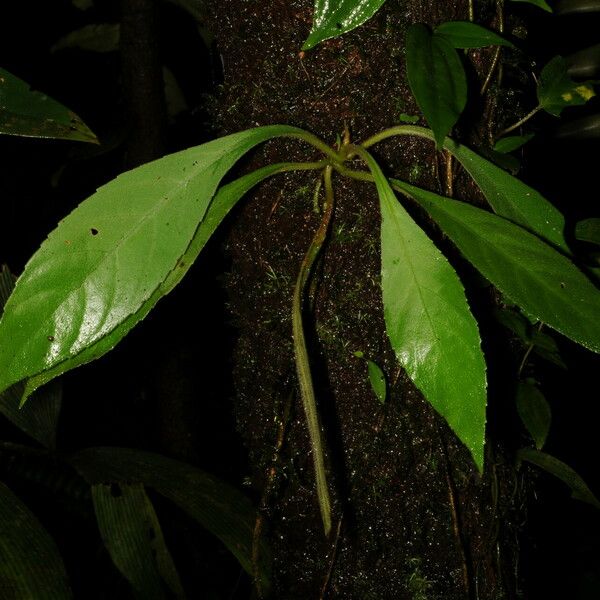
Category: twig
[331,560]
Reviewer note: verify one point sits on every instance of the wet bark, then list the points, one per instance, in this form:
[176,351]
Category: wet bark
[412,516]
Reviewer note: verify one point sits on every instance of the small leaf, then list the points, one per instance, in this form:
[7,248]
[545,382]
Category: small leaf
[535,276]
[376,377]
[79,292]
[464,34]
[511,198]
[405,118]
[133,537]
[428,322]
[539,3]
[534,410]
[217,506]
[556,90]
[579,489]
[588,230]
[30,565]
[103,37]
[437,79]
[332,19]
[512,143]
[27,113]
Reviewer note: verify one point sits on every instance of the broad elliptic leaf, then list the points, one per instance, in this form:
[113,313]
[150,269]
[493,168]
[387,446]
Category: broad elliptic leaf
[217,506]
[531,273]
[332,19]
[133,537]
[464,34]
[428,322]
[512,143]
[437,79]
[535,412]
[511,198]
[102,264]
[556,90]
[539,3]
[39,418]
[30,565]
[99,37]
[29,113]
[550,464]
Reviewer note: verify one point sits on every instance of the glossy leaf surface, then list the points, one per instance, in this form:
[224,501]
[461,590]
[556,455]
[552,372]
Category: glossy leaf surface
[30,565]
[437,79]
[464,34]
[550,464]
[217,506]
[428,322]
[535,276]
[39,418]
[29,113]
[332,19]
[81,292]
[133,537]
[511,198]
[535,413]
[556,90]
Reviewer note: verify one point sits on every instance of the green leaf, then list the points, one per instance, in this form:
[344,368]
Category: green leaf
[437,79]
[464,34]
[535,276]
[579,489]
[28,113]
[39,418]
[428,321]
[133,537]
[30,565]
[376,378]
[511,198]
[534,410]
[539,3]
[98,269]
[217,506]
[332,19]
[556,90]
[588,230]
[512,143]
[100,37]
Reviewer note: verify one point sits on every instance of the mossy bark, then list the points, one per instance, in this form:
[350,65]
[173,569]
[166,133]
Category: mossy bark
[412,517]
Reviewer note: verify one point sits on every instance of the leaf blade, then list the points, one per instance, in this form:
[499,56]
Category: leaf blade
[535,413]
[465,35]
[30,565]
[28,113]
[429,324]
[334,19]
[103,262]
[437,79]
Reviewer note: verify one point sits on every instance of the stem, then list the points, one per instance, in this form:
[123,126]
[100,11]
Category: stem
[301,355]
[316,142]
[415,130]
[519,122]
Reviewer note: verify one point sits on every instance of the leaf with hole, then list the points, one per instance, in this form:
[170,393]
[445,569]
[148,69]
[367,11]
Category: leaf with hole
[81,292]
[428,321]
[531,273]
[556,90]
[550,464]
[132,535]
[535,412]
[217,506]
[465,35]
[28,113]
[437,79]
[30,565]
[332,19]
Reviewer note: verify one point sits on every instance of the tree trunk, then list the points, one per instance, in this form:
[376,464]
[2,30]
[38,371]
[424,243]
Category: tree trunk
[412,517]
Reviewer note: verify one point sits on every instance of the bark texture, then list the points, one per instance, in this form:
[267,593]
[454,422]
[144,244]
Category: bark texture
[412,517]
